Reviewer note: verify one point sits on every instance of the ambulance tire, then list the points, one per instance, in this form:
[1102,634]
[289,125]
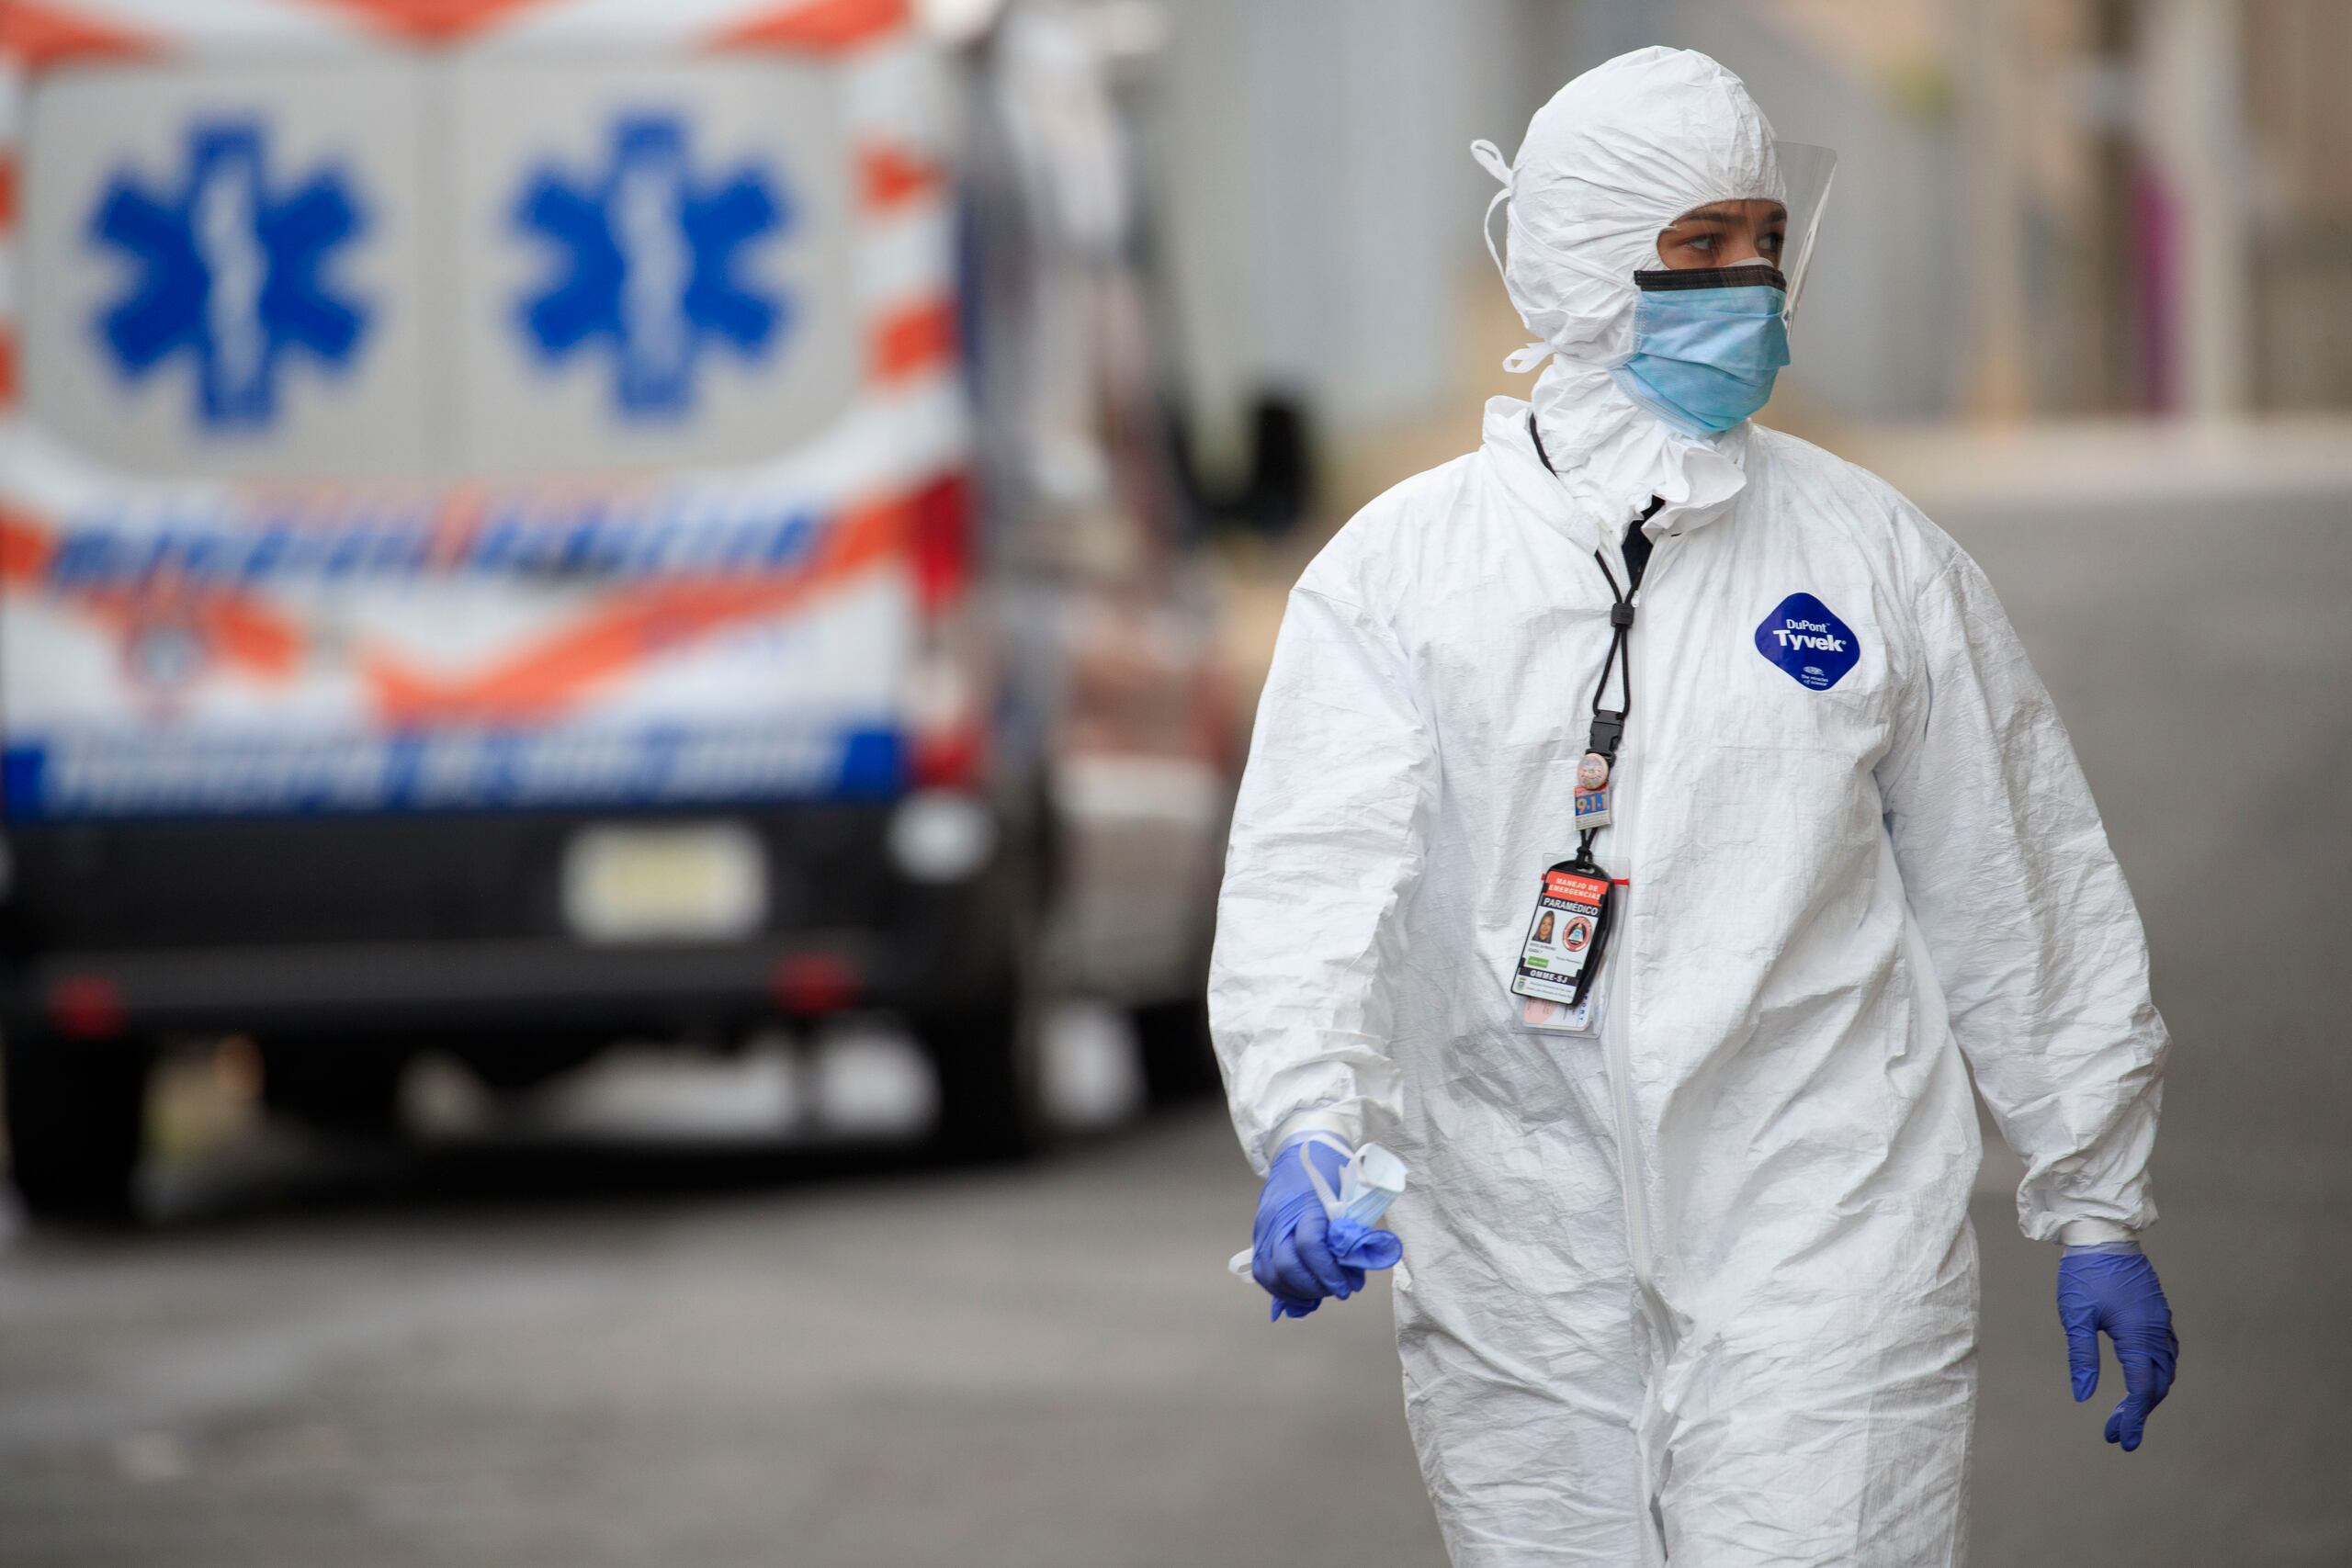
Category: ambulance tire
[989,1065]
[1172,1039]
[76,1119]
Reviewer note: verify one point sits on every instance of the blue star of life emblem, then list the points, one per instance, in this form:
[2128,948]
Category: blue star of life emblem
[230,273]
[650,264]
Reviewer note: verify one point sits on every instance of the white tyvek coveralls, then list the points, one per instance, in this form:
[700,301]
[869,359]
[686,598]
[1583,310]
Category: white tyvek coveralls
[1707,1290]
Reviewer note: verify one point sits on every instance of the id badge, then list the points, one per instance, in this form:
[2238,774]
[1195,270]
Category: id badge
[1581,1020]
[1565,936]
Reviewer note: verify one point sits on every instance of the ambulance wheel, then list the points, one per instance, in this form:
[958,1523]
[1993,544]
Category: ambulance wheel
[1172,1038]
[989,1062]
[77,1112]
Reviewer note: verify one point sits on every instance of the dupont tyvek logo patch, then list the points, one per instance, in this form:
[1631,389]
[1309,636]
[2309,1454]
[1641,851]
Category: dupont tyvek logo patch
[1804,637]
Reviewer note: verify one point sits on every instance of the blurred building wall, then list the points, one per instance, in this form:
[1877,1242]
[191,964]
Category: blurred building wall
[2299,60]
[1325,209]
[2043,206]
[1322,202]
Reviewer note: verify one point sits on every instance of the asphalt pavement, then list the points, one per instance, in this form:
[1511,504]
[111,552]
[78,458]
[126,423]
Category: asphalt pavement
[568,1351]
[523,1357]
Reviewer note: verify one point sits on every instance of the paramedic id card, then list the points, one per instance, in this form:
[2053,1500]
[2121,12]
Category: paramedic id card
[1563,938]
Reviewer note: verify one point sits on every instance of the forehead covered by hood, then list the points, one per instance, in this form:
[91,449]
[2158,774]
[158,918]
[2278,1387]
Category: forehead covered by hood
[1617,155]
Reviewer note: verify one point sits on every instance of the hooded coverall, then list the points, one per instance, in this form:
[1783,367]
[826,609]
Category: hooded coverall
[1704,1289]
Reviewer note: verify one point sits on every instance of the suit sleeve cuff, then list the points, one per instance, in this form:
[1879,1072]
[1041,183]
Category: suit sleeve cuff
[1345,1122]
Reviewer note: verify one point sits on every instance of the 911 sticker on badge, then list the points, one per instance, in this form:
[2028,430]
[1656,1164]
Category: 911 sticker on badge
[1804,637]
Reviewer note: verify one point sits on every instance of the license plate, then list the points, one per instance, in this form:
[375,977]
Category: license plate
[684,884]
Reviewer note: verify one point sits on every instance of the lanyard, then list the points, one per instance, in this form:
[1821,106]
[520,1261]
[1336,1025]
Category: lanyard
[1608,724]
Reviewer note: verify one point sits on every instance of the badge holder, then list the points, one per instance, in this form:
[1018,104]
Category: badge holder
[1581,1022]
[1568,938]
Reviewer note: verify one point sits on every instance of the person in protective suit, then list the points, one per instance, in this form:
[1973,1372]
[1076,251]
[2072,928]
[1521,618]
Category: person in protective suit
[1694,1281]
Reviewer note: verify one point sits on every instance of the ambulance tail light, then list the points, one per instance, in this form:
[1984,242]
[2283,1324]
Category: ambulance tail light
[944,699]
[949,742]
[87,1007]
[812,985]
[940,546]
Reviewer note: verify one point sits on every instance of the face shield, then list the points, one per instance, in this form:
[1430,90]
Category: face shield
[1806,172]
[1756,241]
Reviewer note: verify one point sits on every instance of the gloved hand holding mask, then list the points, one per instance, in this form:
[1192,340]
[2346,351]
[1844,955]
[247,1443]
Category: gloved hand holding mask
[1315,1234]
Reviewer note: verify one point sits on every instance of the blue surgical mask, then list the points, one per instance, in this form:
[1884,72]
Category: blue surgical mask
[1707,345]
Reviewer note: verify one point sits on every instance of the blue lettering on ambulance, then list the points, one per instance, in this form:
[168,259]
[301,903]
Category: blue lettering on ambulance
[587,539]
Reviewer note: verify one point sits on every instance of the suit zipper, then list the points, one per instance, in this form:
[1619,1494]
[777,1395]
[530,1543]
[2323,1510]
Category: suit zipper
[1617,1025]
[1616,1053]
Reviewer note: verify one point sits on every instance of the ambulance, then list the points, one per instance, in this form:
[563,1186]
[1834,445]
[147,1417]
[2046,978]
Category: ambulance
[525,524]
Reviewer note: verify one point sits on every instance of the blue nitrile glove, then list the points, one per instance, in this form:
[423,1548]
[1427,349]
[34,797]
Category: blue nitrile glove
[2117,1291]
[1296,1251]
